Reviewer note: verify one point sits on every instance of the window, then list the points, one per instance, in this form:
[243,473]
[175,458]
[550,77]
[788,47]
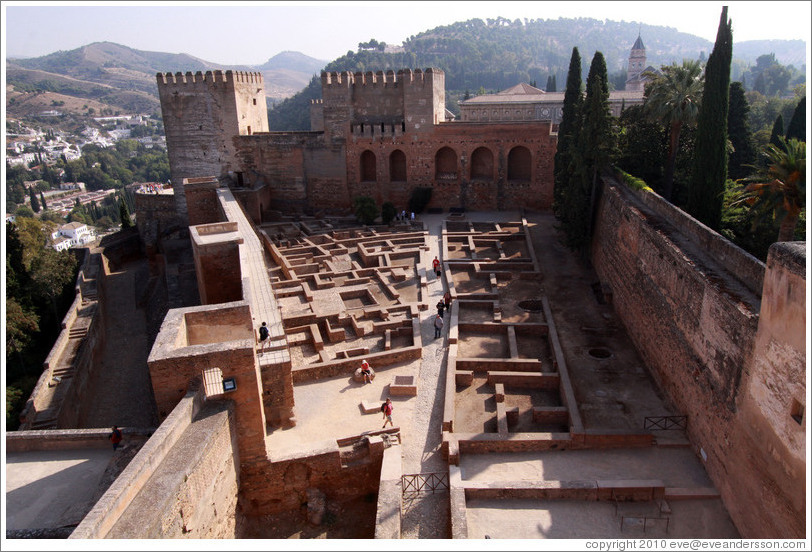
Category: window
[797,412]
[255,101]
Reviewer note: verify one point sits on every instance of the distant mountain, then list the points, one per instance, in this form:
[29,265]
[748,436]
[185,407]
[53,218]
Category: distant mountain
[787,52]
[115,75]
[293,61]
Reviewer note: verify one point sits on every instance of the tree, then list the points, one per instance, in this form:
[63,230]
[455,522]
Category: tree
[365,209]
[32,194]
[779,190]
[124,214]
[573,96]
[738,132]
[797,125]
[777,131]
[593,150]
[42,199]
[706,191]
[388,212]
[673,98]
[51,271]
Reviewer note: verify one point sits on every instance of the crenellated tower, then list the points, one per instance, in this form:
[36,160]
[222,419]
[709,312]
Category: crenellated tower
[379,103]
[201,114]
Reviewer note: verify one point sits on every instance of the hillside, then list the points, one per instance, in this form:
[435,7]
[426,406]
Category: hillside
[124,78]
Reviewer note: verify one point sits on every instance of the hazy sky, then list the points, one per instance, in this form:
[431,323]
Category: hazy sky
[249,33]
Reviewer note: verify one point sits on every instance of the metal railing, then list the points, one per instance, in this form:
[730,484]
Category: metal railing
[416,483]
[665,422]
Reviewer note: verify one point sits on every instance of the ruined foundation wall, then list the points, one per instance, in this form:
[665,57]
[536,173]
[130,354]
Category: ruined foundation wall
[695,327]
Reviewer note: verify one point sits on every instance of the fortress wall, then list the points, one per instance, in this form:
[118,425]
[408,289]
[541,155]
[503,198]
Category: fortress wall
[496,193]
[770,446]
[280,484]
[695,328]
[182,483]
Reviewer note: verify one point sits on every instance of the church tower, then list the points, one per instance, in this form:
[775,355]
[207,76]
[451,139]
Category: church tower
[637,64]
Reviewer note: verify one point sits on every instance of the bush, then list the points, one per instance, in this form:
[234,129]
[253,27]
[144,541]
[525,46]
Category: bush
[366,211]
[388,212]
[633,182]
[419,199]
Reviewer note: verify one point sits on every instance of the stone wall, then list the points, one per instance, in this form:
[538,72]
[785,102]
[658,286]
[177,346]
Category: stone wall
[182,483]
[695,321]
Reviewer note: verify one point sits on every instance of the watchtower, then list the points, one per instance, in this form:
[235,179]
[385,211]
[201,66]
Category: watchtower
[201,115]
[379,103]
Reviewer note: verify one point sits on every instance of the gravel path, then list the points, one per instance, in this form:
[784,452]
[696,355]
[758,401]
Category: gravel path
[426,516]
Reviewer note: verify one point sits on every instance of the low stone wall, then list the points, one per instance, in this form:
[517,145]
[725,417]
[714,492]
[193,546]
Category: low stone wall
[331,369]
[107,511]
[68,439]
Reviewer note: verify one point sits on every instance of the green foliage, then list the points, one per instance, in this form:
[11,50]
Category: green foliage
[365,209]
[642,146]
[673,97]
[738,132]
[419,199]
[778,191]
[32,194]
[633,182]
[573,97]
[124,215]
[388,212]
[777,131]
[710,156]
[797,125]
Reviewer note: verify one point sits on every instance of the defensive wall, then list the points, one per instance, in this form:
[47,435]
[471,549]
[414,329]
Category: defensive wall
[725,351]
[201,113]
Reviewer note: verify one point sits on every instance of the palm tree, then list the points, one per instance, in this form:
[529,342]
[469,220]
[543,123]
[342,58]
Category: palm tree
[673,98]
[779,189]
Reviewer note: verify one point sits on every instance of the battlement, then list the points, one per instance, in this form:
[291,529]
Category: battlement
[369,78]
[217,76]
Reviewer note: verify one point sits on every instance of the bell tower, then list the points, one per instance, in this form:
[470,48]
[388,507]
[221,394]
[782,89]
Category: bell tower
[637,64]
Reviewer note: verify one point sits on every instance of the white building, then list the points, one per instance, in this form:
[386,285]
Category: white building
[76,232]
[61,243]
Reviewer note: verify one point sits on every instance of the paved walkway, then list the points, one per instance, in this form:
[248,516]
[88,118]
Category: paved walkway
[255,271]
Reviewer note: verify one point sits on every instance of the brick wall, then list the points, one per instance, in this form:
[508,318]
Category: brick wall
[695,325]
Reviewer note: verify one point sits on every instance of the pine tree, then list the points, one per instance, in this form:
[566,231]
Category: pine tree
[705,194]
[738,131]
[797,125]
[34,201]
[573,96]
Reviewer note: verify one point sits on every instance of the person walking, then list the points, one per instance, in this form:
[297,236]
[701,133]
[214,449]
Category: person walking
[386,408]
[435,264]
[440,307]
[447,300]
[438,326]
[263,335]
[115,437]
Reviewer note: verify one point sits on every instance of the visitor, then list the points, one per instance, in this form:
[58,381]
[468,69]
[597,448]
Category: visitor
[436,266]
[440,308]
[264,334]
[438,326]
[115,437]
[447,300]
[386,408]
[366,372]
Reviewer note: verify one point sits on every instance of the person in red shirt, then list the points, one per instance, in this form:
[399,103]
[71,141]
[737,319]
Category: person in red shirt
[115,437]
[366,372]
[386,408]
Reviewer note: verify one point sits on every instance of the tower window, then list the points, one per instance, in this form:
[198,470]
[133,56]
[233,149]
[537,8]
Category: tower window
[797,411]
[255,101]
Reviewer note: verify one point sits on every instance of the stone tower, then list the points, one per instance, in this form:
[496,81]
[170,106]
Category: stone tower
[379,103]
[201,114]
[637,64]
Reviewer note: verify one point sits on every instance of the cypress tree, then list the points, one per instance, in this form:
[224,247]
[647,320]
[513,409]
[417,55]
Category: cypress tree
[34,201]
[549,83]
[42,199]
[124,214]
[797,125]
[553,89]
[592,151]
[573,96]
[710,153]
[778,130]
[738,131]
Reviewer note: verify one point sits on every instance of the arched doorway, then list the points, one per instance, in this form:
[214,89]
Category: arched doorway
[397,166]
[368,167]
[519,164]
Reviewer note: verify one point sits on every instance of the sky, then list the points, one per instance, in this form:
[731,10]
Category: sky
[250,33]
